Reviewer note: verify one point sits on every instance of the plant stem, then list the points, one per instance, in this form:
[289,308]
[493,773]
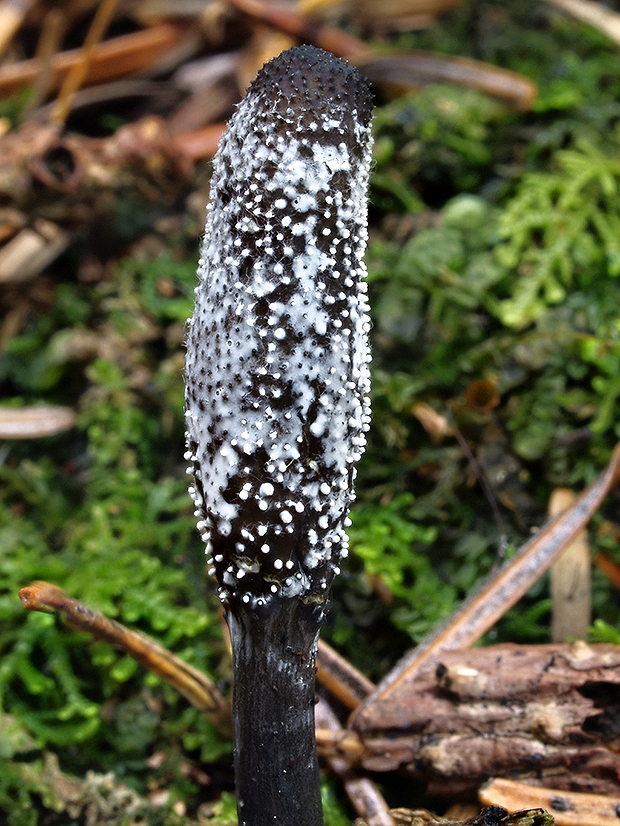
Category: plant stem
[274,652]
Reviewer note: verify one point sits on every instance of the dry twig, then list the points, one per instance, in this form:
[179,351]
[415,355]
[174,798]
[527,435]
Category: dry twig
[570,580]
[193,684]
[499,593]
[34,422]
[601,18]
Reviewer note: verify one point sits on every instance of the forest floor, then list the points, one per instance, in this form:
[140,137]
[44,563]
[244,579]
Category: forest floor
[493,267]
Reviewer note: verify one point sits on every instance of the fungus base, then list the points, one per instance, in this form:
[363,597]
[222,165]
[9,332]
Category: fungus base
[274,653]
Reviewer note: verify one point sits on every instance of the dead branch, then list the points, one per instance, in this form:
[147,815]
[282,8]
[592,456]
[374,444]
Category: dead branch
[547,712]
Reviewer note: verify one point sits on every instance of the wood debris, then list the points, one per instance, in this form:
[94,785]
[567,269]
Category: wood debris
[30,251]
[568,808]
[34,422]
[491,816]
[389,703]
[571,587]
[548,712]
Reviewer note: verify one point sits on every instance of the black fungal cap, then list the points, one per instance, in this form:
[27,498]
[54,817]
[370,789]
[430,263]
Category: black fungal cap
[306,79]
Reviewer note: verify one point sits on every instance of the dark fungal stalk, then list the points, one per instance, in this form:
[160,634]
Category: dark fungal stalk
[277,401]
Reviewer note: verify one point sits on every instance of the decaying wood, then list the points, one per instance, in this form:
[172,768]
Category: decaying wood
[363,793]
[454,718]
[502,589]
[545,711]
[568,808]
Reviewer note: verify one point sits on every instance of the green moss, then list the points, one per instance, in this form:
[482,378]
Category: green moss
[432,144]
[104,513]
[562,227]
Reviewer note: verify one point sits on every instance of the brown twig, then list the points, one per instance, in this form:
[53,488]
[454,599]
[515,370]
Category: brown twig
[189,681]
[116,57]
[568,808]
[419,68]
[334,672]
[79,70]
[505,587]
[340,678]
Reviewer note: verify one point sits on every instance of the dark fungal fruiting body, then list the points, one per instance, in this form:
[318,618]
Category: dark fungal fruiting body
[277,354]
[277,398]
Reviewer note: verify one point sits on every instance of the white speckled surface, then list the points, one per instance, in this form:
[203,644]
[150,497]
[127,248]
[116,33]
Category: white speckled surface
[277,354]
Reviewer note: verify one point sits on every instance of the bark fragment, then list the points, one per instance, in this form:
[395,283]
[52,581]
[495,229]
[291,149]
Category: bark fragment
[547,712]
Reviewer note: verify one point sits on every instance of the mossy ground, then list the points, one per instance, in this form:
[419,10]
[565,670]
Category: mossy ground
[494,259]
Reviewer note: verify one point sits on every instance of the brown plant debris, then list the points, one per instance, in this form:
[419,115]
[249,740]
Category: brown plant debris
[567,807]
[546,712]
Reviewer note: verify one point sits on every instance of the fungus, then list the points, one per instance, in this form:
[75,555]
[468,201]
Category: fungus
[277,408]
